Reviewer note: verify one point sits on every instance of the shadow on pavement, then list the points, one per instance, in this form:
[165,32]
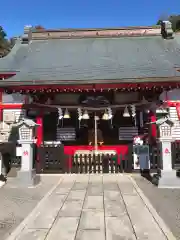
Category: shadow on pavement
[146,174]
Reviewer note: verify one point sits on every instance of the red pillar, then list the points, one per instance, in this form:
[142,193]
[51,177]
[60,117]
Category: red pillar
[1,109]
[153,130]
[39,136]
[39,121]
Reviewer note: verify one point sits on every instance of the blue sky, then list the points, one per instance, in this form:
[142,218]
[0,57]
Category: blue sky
[82,14]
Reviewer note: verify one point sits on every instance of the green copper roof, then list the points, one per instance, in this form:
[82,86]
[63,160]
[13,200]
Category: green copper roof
[94,59]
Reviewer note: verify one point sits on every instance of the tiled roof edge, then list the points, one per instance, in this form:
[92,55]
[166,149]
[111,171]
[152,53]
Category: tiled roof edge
[15,81]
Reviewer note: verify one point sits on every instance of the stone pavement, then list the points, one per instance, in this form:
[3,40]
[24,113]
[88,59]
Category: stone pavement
[84,207]
[17,203]
[165,201]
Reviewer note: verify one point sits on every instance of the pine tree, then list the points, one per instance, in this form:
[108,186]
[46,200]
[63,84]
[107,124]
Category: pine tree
[4,43]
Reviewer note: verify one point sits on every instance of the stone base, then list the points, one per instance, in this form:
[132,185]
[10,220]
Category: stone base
[169,179]
[27,178]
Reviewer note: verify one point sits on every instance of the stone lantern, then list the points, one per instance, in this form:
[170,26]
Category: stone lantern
[165,130]
[26,127]
[167,178]
[165,138]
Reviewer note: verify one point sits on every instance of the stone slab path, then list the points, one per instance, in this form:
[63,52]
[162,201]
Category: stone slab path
[90,207]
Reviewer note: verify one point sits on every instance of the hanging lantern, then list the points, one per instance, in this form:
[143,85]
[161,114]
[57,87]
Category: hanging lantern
[105,116]
[60,114]
[133,110]
[66,114]
[126,112]
[85,115]
[79,114]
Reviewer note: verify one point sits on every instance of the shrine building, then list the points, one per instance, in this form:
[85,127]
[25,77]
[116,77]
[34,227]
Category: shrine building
[70,80]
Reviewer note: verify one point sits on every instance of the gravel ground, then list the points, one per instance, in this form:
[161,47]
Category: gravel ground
[165,201]
[16,203]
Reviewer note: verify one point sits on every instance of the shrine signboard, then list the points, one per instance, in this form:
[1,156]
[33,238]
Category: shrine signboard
[66,134]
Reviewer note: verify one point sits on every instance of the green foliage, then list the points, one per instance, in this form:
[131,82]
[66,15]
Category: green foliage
[2,33]
[175,20]
[5,45]
[159,22]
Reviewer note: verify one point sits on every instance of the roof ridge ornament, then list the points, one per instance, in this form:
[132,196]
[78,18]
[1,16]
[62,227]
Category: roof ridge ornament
[45,34]
[166,30]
